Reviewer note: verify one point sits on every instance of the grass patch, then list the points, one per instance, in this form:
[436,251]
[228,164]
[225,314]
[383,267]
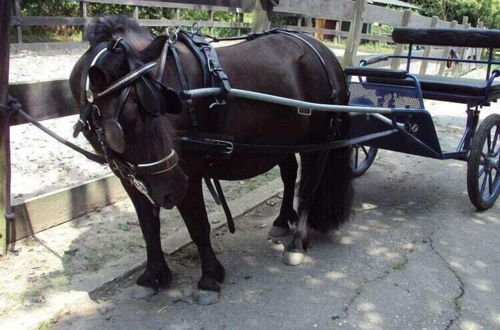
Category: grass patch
[256,182]
[456,302]
[359,290]
[399,266]
[45,324]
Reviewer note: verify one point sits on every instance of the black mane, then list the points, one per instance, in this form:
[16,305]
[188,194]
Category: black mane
[105,28]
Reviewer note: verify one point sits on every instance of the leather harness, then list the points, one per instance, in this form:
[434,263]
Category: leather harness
[110,134]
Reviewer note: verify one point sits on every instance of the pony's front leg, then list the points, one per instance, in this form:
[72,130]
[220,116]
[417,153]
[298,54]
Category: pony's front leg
[193,211]
[288,171]
[157,274]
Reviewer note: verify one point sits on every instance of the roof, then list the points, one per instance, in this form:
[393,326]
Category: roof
[396,3]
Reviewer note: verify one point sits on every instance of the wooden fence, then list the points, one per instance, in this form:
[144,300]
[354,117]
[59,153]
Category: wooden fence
[52,99]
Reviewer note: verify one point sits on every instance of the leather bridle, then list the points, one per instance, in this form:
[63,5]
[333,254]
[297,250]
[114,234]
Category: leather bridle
[109,132]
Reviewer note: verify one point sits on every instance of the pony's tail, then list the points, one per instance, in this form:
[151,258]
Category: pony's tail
[325,190]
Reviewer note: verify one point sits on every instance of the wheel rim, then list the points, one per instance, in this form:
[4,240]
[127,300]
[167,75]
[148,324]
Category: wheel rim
[363,152]
[488,172]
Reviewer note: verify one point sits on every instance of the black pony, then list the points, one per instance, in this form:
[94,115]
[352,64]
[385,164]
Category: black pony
[275,63]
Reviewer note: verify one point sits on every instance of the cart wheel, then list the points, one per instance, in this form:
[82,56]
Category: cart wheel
[483,178]
[363,158]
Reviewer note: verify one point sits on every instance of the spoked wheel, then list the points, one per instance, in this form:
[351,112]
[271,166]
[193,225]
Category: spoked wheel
[363,158]
[483,178]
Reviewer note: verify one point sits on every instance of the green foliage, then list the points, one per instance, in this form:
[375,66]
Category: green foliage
[72,9]
[487,11]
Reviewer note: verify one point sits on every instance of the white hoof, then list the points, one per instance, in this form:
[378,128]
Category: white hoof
[278,231]
[205,298]
[293,258]
[276,245]
[141,292]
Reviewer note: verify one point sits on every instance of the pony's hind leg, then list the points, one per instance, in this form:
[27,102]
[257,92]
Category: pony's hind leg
[193,211]
[288,171]
[296,250]
[157,274]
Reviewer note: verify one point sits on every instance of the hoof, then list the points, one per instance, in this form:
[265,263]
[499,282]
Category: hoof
[142,292]
[276,231]
[276,245]
[293,258]
[204,298]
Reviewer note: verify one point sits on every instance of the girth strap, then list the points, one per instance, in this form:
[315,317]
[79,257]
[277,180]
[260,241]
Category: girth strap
[225,207]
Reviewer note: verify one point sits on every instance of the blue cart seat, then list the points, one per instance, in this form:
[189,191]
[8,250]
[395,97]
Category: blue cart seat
[449,89]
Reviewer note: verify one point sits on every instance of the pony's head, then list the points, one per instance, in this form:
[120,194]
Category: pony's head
[126,108]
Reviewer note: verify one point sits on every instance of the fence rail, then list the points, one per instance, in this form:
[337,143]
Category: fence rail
[341,10]
[53,99]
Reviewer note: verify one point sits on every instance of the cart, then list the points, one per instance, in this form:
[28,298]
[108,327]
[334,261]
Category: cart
[399,89]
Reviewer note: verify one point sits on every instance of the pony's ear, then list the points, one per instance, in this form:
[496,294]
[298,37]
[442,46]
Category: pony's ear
[153,51]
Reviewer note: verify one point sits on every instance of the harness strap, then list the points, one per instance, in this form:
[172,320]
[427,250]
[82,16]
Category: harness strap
[308,44]
[266,149]
[211,68]
[187,38]
[185,85]
[89,155]
[225,207]
[215,68]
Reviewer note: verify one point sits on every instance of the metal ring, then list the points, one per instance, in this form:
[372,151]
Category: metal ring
[172,34]
[195,28]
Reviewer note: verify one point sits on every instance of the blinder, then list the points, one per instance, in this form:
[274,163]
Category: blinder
[153,95]
[113,135]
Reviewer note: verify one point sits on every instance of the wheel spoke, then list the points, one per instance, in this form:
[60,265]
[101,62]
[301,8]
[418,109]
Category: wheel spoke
[483,185]
[481,172]
[490,183]
[356,156]
[488,141]
[483,159]
[365,151]
[495,138]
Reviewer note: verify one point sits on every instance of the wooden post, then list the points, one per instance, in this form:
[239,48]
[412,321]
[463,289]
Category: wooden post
[405,21]
[308,21]
[446,51]
[211,19]
[83,11]
[427,50]
[17,13]
[457,69]
[5,16]
[262,14]
[239,19]
[177,14]
[354,33]
[338,28]
[135,13]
